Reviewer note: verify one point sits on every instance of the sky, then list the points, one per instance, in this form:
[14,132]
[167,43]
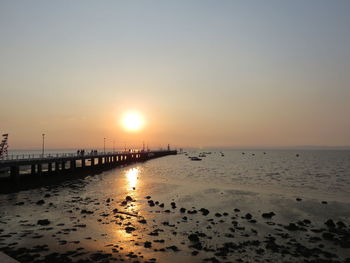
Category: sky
[201,73]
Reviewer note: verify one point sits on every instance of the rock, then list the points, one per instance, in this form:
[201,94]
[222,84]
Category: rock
[129,229]
[151,203]
[143,221]
[128,198]
[204,211]
[236,210]
[161,205]
[43,222]
[330,223]
[104,214]
[292,227]
[84,211]
[40,202]
[268,215]
[324,202]
[307,221]
[298,199]
[248,216]
[147,244]
[340,224]
[197,246]
[47,195]
[173,205]
[218,215]
[97,257]
[108,200]
[19,203]
[148,197]
[193,238]
[173,248]
[183,210]
[80,225]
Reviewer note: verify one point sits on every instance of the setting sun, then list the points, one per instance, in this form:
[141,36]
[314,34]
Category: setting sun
[132,121]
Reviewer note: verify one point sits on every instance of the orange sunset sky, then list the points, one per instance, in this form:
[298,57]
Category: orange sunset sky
[198,73]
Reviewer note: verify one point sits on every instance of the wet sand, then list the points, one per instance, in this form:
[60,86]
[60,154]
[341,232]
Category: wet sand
[142,213]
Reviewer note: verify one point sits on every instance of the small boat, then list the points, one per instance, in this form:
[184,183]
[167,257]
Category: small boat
[196,159]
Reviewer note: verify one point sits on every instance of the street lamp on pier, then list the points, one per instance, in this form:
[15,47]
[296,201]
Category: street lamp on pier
[104,145]
[43,145]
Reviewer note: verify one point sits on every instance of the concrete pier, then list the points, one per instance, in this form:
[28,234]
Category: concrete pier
[95,162]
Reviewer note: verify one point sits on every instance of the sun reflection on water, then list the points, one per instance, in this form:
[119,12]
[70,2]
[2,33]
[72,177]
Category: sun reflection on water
[132,177]
[123,220]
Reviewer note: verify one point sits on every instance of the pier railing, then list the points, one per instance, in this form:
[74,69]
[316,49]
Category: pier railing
[12,157]
[28,157]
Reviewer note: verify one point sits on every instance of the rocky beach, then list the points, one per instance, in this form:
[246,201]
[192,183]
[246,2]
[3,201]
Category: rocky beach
[250,207]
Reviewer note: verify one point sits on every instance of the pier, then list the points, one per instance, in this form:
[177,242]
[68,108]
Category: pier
[31,169]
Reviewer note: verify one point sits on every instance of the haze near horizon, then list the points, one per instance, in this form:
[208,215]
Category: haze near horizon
[196,73]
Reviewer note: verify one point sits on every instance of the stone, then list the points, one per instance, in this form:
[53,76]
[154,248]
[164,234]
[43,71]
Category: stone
[43,222]
[193,238]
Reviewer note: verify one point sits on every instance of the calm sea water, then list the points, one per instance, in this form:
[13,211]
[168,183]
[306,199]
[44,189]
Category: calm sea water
[315,173]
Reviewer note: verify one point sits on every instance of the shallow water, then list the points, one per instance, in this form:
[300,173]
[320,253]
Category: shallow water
[254,182]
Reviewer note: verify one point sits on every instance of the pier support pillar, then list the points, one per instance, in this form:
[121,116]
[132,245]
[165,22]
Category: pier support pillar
[72,164]
[92,162]
[57,166]
[63,165]
[40,169]
[49,167]
[83,162]
[100,160]
[14,173]
[33,169]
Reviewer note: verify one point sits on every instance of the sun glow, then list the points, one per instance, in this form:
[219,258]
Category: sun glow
[132,121]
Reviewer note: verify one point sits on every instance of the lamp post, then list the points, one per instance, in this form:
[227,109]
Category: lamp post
[43,145]
[104,145]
